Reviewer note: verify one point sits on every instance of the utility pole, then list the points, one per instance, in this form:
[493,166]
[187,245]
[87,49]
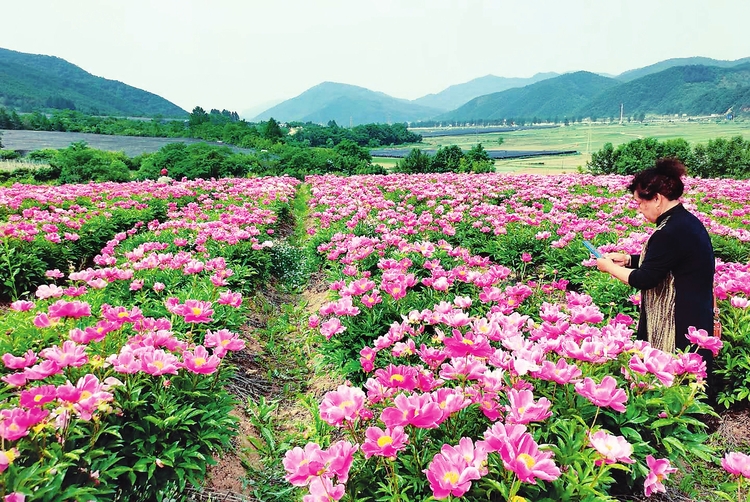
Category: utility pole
[621,110]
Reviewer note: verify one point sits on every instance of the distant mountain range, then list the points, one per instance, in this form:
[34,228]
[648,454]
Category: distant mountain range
[693,86]
[459,94]
[347,105]
[31,82]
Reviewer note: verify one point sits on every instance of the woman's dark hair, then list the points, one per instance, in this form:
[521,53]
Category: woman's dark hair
[664,178]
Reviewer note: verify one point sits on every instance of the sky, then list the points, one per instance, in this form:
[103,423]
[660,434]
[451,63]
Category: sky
[246,55]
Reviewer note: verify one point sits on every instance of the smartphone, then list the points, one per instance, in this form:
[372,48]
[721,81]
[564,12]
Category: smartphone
[592,249]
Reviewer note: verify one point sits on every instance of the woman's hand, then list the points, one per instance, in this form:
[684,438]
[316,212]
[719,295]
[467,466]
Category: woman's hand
[620,259]
[615,264]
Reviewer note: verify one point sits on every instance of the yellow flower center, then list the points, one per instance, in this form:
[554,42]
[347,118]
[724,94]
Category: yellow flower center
[527,459]
[85,395]
[384,441]
[398,378]
[344,404]
[196,311]
[158,364]
[121,315]
[466,341]
[11,455]
[451,477]
[38,398]
[199,361]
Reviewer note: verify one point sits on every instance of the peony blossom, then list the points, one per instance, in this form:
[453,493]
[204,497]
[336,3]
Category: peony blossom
[450,476]
[604,394]
[702,339]
[737,464]
[659,470]
[384,443]
[612,448]
[343,404]
[200,361]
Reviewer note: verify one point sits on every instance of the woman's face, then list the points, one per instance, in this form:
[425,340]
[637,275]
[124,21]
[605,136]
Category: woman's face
[650,209]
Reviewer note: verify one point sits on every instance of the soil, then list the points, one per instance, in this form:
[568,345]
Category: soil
[227,480]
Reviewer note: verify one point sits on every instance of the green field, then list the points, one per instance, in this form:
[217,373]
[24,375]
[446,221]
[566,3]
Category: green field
[584,138]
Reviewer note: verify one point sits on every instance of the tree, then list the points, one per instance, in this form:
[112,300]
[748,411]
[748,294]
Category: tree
[603,161]
[272,131]
[447,159]
[415,162]
[198,117]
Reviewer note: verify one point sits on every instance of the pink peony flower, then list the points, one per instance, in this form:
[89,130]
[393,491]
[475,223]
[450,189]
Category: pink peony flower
[73,310]
[223,340]
[702,339]
[22,305]
[522,408]
[384,443]
[604,394]
[7,457]
[331,327]
[229,298]
[69,354]
[612,448]
[195,311]
[49,291]
[737,464]
[15,363]
[38,396]
[659,470]
[524,458]
[367,359]
[418,410]
[158,362]
[344,404]
[450,476]
[200,361]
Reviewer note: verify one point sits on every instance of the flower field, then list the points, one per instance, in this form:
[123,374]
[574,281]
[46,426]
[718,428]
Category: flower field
[488,359]
[484,356]
[114,382]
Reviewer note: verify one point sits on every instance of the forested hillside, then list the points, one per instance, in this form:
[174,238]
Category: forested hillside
[558,97]
[692,90]
[31,82]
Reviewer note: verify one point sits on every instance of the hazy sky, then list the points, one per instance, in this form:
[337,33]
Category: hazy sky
[242,54]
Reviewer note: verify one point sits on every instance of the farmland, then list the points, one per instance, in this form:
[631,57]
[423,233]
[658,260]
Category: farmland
[130,145]
[447,315]
[585,139]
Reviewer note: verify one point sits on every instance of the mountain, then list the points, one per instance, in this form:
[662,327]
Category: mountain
[693,90]
[30,82]
[249,113]
[629,75]
[347,105]
[557,97]
[459,94]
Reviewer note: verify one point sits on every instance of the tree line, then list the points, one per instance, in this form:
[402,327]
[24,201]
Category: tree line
[718,158]
[215,125]
[447,159]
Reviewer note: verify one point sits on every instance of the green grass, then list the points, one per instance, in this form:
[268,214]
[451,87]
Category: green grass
[585,138]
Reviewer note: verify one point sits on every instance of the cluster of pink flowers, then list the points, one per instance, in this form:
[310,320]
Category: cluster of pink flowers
[483,351]
[323,472]
[45,399]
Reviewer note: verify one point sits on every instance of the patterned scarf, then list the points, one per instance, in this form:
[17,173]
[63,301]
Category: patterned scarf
[658,305]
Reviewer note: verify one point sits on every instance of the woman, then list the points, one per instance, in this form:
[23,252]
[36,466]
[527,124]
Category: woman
[675,270]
